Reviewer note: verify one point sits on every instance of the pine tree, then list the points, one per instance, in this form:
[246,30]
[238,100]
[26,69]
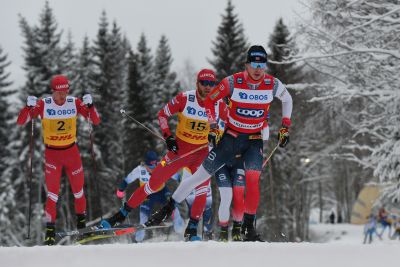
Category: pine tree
[8,213]
[164,79]
[146,83]
[137,140]
[282,207]
[109,52]
[165,84]
[230,47]
[281,46]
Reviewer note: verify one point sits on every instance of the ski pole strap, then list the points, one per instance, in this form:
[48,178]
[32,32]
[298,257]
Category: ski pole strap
[166,163]
[123,112]
[270,155]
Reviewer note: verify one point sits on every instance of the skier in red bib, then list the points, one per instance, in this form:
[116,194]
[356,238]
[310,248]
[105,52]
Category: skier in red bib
[250,94]
[191,133]
[59,113]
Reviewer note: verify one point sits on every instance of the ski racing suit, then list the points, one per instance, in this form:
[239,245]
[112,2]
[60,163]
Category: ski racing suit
[207,214]
[143,174]
[191,133]
[61,150]
[249,103]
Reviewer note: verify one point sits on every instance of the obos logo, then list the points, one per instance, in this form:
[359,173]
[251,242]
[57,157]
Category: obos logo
[250,113]
[191,111]
[252,97]
[51,112]
[242,95]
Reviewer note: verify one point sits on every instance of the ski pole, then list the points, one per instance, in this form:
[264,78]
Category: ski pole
[123,112]
[270,155]
[93,157]
[165,163]
[30,178]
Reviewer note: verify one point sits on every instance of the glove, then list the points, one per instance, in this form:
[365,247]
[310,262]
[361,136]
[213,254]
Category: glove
[214,135]
[31,101]
[171,144]
[87,100]
[283,136]
[120,194]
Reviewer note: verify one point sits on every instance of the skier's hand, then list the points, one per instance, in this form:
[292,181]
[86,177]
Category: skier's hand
[120,194]
[214,135]
[87,100]
[31,101]
[283,136]
[171,144]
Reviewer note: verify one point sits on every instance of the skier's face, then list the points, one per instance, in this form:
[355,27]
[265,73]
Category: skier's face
[204,87]
[60,97]
[256,73]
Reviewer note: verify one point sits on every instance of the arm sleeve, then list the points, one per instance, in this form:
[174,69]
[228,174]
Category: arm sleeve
[88,113]
[133,175]
[223,112]
[175,105]
[27,113]
[265,131]
[220,91]
[282,94]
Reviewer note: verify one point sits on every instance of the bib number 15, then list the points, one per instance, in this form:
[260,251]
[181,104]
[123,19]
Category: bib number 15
[198,126]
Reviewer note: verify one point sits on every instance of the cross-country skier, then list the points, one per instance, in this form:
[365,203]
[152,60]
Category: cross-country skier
[59,113]
[231,185]
[143,174]
[191,229]
[250,94]
[370,228]
[191,133]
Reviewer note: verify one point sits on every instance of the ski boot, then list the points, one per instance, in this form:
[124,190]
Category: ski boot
[117,218]
[191,231]
[248,229]
[236,229]
[50,238]
[208,235]
[223,234]
[160,215]
[80,221]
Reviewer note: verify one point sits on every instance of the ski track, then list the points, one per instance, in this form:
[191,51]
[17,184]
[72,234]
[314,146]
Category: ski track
[343,247]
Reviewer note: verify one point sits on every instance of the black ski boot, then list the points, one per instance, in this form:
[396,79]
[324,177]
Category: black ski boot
[80,221]
[236,229]
[191,230]
[208,235]
[248,229]
[50,238]
[117,218]
[223,234]
[160,215]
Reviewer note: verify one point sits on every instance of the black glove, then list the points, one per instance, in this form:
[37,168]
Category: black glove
[214,135]
[283,136]
[171,144]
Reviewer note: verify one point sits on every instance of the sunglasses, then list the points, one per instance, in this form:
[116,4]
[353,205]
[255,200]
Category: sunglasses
[261,65]
[207,83]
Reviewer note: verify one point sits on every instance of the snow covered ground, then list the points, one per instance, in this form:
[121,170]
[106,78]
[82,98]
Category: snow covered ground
[342,247]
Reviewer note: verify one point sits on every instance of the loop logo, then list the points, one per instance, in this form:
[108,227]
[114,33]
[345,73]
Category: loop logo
[250,113]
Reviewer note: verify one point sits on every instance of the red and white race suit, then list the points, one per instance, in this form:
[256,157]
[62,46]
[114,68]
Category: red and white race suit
[59,137]
[191,133]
